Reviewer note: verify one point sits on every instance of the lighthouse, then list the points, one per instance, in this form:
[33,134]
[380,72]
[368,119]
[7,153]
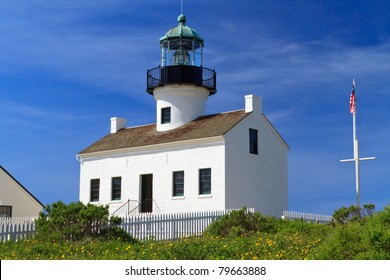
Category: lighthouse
[187,161]
[180,84]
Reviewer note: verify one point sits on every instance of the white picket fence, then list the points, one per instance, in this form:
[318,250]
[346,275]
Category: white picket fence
[16,228]
[142,227]
[291,215]
[170,226]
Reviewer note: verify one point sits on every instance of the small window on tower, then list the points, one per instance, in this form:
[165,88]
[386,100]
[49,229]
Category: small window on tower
[166,115]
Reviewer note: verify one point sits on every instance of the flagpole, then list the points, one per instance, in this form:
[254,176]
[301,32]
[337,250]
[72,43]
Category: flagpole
[356,151]
[356,159]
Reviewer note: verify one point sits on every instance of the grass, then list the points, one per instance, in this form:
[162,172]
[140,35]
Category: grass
[264,238]
[258,246]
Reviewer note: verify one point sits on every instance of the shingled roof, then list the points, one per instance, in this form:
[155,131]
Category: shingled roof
[202,127]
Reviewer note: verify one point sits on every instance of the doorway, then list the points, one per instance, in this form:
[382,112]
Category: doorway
[146,193]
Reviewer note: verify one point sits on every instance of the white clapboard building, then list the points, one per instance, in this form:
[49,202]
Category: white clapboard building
[187,161]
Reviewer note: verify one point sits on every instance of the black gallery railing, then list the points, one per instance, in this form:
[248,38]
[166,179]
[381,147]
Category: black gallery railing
[181,74]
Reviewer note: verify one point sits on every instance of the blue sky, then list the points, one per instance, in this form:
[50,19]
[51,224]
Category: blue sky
[66,67]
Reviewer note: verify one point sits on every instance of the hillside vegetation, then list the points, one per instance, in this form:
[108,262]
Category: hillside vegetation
[353,234]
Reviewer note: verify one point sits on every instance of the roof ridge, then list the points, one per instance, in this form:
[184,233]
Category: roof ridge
[226,112]
[141,125]
[202,127]
[207,115]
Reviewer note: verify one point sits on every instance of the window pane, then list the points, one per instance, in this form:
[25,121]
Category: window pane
[166,115]
[253,143]
[95,189]
[178,183]
[5,211]
[116,188]
[205,181]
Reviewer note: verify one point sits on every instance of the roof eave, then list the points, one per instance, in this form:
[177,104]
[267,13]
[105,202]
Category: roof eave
[276,133]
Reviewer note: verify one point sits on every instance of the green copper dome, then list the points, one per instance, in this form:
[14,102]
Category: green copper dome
[181,31]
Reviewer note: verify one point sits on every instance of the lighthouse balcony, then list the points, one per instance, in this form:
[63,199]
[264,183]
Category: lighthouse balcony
[181,74]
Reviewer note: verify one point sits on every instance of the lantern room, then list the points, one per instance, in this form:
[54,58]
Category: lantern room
[181,60]
[181,45]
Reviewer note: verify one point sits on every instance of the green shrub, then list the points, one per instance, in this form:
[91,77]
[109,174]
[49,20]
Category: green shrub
[345,243]
[77,221]
[376,236]
[363,238]
[301,227]
[241,222]
[353,213]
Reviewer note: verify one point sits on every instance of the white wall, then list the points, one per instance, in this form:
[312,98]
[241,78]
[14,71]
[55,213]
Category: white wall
[186,102]
[161,163]
[238,178]
[12,194]
[258,181]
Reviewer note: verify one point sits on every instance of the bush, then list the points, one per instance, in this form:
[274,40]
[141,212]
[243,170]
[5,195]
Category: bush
[363,238]
[376,236]
[304,228]
[345,243]
[77,221]
[240,222]
[352,213]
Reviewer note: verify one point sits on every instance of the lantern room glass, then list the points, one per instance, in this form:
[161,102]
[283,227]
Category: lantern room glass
[181,52]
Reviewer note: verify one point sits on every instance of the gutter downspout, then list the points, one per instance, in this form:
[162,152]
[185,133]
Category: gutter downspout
[79,159]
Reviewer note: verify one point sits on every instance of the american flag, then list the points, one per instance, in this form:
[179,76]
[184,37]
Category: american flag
[352,100]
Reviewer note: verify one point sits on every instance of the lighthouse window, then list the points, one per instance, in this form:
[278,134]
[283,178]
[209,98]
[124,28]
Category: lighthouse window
[178,183]
[116,188]
[253,145]
[205,181]
[95,186]
[166,115]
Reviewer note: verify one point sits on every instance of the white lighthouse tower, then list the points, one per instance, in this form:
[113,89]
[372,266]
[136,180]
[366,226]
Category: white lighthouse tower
[180,85]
